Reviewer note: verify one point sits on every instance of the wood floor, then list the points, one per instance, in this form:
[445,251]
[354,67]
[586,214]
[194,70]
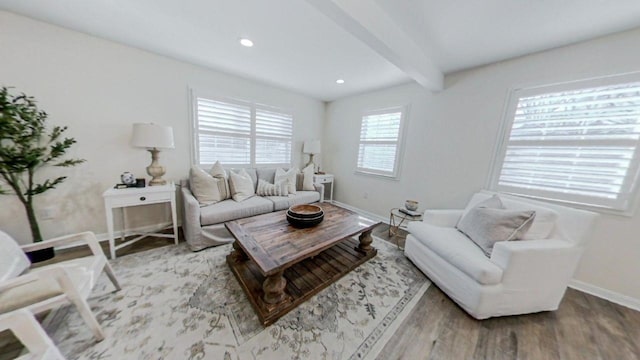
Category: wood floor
[585,327]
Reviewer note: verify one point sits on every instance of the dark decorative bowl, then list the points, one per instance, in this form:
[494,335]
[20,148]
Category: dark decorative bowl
[305,211]
[304,222]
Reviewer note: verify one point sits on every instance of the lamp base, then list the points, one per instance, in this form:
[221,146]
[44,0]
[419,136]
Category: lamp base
[311,163]
[155,170]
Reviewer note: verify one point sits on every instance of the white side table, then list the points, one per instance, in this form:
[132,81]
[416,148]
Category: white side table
[324,179]
[123,198]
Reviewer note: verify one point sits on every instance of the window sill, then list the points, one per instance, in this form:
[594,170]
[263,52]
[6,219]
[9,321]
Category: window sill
[379,176]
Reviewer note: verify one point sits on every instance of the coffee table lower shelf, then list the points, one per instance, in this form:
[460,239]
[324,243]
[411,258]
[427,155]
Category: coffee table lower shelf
[304,279]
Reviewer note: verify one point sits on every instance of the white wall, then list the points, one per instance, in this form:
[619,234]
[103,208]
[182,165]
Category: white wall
[451,139]
[99,88]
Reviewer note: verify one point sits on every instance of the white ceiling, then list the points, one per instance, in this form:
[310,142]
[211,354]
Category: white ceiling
[305,46]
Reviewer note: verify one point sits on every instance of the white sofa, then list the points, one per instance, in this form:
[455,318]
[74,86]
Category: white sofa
[203,226]
[520,277]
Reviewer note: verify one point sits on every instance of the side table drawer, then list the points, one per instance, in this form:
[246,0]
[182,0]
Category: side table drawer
[140,199]
[323,180]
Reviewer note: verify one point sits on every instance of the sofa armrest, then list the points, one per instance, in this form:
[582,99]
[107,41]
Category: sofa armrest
[320,188]
[545,262]
[442,218]
[191,226]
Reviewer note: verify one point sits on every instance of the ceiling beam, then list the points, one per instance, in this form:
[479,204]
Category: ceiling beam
[370,24]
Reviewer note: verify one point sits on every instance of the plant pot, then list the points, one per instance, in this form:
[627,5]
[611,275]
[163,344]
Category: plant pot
[41,255]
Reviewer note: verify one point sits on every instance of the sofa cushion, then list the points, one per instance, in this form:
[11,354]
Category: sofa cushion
[300,197]
[231,210]
[206,188]
[458,250]
[266,174]
[281,188]
[241,185]
[288,175]
[307,178]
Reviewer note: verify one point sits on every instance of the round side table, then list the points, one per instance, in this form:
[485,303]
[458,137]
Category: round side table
[396,221]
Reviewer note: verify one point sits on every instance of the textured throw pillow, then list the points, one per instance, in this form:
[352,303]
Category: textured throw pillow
[307,181]
[217,171]
[207,189]
[280,188]
[486,226]
[289,176]
[241,185]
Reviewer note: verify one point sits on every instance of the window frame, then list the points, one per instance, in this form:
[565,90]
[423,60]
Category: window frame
[254,108]
[395,174]
[629,203]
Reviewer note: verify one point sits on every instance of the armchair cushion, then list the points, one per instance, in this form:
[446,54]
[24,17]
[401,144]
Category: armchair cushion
[13,261]
[43,288]
[456,248]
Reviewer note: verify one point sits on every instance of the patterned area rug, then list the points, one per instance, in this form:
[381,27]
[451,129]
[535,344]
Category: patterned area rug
[177,304]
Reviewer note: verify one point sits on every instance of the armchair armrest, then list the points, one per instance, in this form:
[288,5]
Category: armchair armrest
[443,217]
[84,238]
[536,261]
[19,281]
[320,188]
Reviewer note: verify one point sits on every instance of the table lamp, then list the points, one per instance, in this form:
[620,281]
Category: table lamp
[153,136]
[311,147]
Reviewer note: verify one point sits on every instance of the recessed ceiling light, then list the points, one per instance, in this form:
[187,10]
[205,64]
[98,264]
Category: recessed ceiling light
[339,81]
[246,42]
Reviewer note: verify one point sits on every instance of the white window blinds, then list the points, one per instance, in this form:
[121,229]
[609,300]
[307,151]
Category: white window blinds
[379,146]
[274,132]
[577,145]
[238,133]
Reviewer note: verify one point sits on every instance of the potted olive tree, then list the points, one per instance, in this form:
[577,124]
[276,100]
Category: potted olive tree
[26,146]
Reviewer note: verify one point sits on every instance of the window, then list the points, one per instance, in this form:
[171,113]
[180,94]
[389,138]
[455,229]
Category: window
[380,142]
[239,133]
[573,142]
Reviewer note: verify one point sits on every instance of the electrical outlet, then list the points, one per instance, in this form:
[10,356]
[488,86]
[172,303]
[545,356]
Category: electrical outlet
[47,213]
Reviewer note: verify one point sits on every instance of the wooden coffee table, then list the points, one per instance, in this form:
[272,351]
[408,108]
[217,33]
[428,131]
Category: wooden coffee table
[280,266]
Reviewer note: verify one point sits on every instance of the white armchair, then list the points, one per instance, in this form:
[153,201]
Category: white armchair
[47,287]
[519,277]
[27,329]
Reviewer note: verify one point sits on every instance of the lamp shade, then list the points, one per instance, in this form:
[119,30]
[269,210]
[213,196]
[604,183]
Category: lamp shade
[311,147]
[152,136]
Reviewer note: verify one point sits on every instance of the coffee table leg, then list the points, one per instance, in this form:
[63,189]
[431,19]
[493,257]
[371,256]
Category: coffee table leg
[365,242]
[273,287]
[238,254]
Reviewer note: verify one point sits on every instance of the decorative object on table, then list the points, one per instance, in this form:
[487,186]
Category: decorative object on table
[411,205]
[302,216]
[128,179]
[141,182]
[410,213]
[25,147]
[153,137]
[399,218]
[311,147]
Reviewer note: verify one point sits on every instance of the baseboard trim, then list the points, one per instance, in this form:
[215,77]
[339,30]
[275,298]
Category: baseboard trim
[362,212]
[614,297]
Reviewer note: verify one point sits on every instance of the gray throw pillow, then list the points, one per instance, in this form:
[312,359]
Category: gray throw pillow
[486,226]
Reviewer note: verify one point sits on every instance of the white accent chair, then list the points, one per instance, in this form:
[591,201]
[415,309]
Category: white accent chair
[47,287]
[520,277]
[27,329]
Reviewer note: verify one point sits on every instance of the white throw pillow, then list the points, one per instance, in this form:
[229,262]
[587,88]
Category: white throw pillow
[489,222]
[307,181]
[207,189]
[289,176]
[280,188]
[218,172]
[241,185]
